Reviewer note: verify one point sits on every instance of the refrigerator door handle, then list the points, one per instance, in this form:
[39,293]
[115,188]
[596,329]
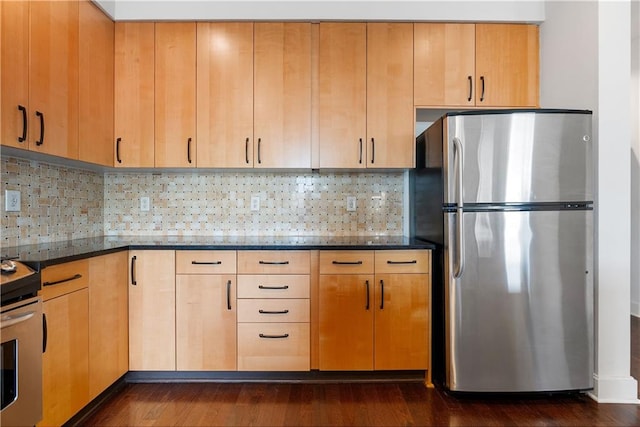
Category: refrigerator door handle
[458,166]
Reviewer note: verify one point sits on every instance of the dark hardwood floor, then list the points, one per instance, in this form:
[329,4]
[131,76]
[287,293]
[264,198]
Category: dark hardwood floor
[353,404]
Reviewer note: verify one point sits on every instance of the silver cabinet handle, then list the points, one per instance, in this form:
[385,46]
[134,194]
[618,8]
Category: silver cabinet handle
[12,320]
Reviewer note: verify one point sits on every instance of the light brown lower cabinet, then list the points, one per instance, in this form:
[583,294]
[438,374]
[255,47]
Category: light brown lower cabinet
[274,331]
[65,362]
[374,310]
[206,310]
[152,308]
[108,321]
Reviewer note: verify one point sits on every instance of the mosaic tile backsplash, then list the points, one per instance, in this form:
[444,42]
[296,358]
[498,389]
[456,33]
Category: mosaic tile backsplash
[60,203]
[219,203]
[57,203]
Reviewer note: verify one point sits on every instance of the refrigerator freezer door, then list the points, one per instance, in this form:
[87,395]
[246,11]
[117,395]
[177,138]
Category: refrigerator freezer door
[521,157]
[520,317]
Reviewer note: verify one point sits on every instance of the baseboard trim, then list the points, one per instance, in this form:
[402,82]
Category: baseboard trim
[273,377]
[635,309]
[614,390]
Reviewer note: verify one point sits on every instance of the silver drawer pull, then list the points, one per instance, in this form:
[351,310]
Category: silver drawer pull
[273,312]
[274,336]
[273,287]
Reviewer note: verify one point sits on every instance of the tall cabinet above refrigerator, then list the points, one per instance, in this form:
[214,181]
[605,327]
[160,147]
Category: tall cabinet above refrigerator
[507,197]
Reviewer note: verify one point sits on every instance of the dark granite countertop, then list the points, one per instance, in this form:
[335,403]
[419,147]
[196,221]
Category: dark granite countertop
[71,250]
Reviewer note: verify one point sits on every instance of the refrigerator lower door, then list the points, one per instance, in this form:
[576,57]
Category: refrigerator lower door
[520,316]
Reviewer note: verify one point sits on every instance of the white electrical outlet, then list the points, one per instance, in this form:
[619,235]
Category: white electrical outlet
[11,201]
[255,203]
[145,204]
[351,203]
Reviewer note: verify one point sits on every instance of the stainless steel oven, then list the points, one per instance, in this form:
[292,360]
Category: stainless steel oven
[21,349]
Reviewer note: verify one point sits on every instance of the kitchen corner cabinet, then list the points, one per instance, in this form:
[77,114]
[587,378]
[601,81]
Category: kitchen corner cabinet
[152,304]
[40,76]
[53,78]
[65,361]
[108,321]
[175,94]
[134,94]
[366,95]
[476,65]
[254,95]
[206,310]
[95,80]
[384,298]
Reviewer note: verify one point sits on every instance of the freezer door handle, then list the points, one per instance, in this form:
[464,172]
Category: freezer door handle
[458,266]
[458,166]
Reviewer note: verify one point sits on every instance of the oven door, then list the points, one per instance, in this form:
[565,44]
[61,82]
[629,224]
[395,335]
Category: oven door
[21,363]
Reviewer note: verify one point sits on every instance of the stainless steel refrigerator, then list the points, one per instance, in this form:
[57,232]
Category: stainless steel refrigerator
[507,197]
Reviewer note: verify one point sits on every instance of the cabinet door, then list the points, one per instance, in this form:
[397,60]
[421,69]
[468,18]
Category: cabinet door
[14,79]
[282,95]
[108,321]
[65,363]
[152,317]
[206,322]
[390,111]
[346,322]
[507,65]
[95,80]
[53,78]
[175,95]
[342,91]
[401,321]
[444,64]
[225,94]
[134,94]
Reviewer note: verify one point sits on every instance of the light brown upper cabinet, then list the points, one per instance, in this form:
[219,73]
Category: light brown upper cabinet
[14,90]
[507,65]
[366,95]
[95,122]
[53,78]
[254,98]
[476,65]
[225,94]
[175,95]
[134,94]
[390,110]
[282,95]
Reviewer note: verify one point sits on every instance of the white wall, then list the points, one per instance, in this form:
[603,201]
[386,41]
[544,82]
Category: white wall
[585,63]
[635,158]
[431,10]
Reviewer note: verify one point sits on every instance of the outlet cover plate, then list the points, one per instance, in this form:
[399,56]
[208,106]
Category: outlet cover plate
[255,203]
[11,201]
[351,203]
[145,204]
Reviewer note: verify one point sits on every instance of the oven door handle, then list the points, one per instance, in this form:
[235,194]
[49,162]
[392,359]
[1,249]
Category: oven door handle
[13,320]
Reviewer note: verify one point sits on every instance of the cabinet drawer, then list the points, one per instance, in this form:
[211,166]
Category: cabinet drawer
[274,262]
[273,310]
[346,262]
[403,261]
[276,286]
[273,347]
[64,278]
[205,262]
